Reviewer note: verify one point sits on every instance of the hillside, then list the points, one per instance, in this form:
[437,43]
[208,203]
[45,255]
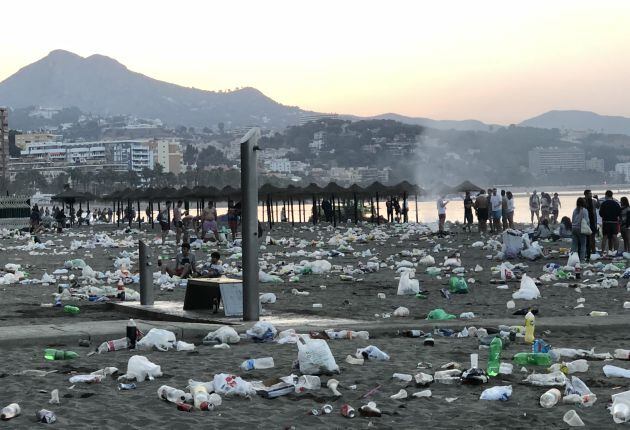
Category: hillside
[580,120]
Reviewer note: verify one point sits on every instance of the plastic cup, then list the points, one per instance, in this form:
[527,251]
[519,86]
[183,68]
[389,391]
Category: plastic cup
[573,419]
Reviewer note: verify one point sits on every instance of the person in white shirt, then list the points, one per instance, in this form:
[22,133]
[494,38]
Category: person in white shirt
[496,203]
[510,209]
[441,208]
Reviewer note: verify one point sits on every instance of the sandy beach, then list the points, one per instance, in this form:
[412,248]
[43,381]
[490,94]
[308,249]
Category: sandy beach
[104,406]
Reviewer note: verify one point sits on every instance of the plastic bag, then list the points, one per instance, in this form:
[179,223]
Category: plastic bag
[140,368]
[427,260]
[268,298]
[512,243]
[184,346]
[506,272]
[225,334]
[408,286]
[501,392]
[266,277]
[401,312]
[371,353]
[314,356]
[457,285]
[230,385]
[262,331]
[528,290]
[162,340]
[533,252]
[320,266]
[574,259]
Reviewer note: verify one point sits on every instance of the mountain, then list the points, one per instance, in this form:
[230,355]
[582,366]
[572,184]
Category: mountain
[470,124]
[101,85]
[580,120]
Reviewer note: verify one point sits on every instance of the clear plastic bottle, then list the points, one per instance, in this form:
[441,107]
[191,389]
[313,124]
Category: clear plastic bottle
[113,345]
[200,396]
[530,326]
[258,363]
[11,411]
[171,394]
[550,398]
[622,354]
[308,382]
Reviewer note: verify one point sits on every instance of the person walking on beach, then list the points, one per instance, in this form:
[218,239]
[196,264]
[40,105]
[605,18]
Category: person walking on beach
[481,207]
[624,224]
[441,208]
[510,209]
[162,219]
[534,206]
[555,208]
[177,221]
[578,243]
[468,214]
[390,210]
[610,211]
[545,206]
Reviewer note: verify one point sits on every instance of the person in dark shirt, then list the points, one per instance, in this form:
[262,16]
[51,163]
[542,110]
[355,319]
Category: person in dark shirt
[468,214]
[185,263]
[610,211]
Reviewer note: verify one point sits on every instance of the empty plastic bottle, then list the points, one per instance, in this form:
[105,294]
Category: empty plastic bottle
[200,396]
[622,354]
[54,397]
[307,382]
[533,358]
[113,345]
[494,356]
[258,363]
[73,310]
[530,326]
[11,411]
[550,398]
[171,394]
[46,416]
[57,354]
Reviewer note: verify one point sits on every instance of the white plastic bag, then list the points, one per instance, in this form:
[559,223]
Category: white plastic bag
[262,331]
[401,311]
[407,286]
[266,277]
[427,260]
[224,334]
[140,368]
[500,392]
[528,290]
[574,259]
[230,385]
[533,252]
[162,340]
[506,272]
[319,266]
[184,346]
[512,243]
[268,298]
[314,356]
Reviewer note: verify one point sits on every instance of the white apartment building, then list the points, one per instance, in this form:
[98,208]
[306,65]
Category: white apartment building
[548,160]
[168,153]
[624,169]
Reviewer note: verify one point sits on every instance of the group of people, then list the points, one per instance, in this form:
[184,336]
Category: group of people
[63,216]
[396,212]
[615,221]
[185,265]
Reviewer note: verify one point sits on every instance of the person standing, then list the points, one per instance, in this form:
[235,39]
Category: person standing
[504,210]
[468,214]
[545,206]
[481,207]
[441,208]
[177,221]
[579,243]
[162,218]
[390,210]
[534,206]
[624,224]
[610,211]
[555,208]
[590,206]
[496,204]
[510,209]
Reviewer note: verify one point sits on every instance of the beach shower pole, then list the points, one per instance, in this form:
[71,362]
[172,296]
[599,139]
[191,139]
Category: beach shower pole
[146,276]
[249,199]
[416,208]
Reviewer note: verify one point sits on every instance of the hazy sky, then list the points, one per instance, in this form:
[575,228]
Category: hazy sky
[497,61]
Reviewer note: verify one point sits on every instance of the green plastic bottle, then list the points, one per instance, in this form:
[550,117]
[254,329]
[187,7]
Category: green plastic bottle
[533,358]
[58,354]
[440,314]
[457,285]
[71,309]
[494,356]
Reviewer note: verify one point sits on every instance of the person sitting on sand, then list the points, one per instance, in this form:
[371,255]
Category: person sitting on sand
[185,263]
[565,228]
[543,231]
[214,269]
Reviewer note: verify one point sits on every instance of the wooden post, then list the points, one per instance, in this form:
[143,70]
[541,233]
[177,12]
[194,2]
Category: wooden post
[378,212]
[356,209]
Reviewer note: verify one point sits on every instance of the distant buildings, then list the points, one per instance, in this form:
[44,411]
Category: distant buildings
[595,164]
[623,169]
[306,118]
[22,140]
[4,146]
[168,153]
[554,159]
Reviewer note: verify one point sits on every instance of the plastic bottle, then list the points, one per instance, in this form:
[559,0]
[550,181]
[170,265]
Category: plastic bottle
[214,400]
[307,382]
[494,356]
[530,326]
[57,354]
[171,394]
[622,354]
[200,396]
[72,310]
[550,398]
[598,314]
[258,363]
[46,416]
[571,367]
[620,408]
[11,411]
[113,345]
[411,333]
[533,358]
[132,333]
[54,397]
[403,377]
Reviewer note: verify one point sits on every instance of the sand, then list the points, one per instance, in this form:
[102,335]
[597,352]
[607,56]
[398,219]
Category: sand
[103,406]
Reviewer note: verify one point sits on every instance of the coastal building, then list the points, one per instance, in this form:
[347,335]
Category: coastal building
[623,169]
[595,164]
[168,153]
[22,140]
[4,146]
[554,159]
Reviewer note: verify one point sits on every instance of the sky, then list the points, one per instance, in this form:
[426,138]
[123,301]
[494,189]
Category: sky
[496,61]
